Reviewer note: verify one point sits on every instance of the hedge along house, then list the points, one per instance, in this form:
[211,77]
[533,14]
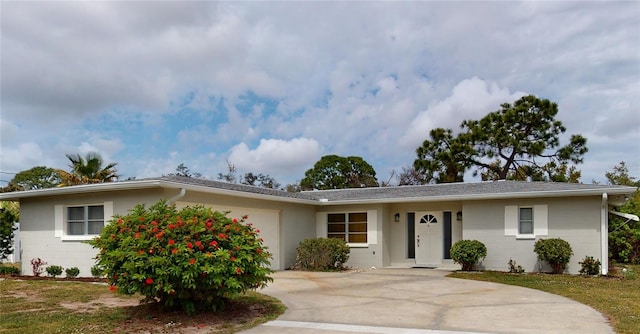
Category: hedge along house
[409,226]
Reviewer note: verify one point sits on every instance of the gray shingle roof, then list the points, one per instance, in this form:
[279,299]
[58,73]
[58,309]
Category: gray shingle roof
[235,187]
[466,190]
[459,191]
[433,192]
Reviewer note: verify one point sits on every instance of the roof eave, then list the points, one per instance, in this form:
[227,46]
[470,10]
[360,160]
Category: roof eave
[85,188]
[144,184]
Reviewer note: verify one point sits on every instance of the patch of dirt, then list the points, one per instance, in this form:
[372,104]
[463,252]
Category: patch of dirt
[94,305]
[150,319]
[28,295]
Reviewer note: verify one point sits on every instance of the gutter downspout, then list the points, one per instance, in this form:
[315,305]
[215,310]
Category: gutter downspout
[604,234]
[173,199]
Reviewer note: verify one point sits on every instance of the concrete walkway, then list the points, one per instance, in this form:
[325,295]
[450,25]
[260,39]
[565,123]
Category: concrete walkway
[419,301]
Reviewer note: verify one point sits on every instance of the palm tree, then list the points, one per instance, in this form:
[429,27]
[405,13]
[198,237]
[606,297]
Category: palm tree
[87,169]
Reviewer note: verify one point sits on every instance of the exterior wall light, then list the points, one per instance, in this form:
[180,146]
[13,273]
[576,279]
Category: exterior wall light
[396,217]
[459,215]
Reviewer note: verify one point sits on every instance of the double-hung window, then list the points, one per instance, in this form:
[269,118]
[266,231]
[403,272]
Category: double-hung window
[85,220]
[350,227]
[525,221]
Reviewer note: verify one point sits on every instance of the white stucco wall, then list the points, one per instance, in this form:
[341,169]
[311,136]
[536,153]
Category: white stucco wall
[296,221]
[576,220]
[37,224]
[361,256]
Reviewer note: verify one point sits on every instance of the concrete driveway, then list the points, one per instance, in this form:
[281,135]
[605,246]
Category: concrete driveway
[416,301]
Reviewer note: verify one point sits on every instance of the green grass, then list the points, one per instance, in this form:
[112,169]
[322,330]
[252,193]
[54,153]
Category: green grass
[34,307]
[618,298]
[39,307]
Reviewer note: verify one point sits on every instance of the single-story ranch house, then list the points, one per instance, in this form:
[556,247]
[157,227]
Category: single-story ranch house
[408,226]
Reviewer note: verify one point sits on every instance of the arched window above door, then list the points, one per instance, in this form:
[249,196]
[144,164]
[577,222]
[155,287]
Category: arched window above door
[428,219]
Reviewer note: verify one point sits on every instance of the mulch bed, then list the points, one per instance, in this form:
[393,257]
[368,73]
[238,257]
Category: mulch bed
[59,279]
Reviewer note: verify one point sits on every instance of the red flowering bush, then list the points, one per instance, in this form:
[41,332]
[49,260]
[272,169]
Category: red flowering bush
[192,259]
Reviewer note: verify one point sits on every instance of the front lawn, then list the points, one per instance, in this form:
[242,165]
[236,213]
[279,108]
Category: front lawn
[71,307]
[618,298]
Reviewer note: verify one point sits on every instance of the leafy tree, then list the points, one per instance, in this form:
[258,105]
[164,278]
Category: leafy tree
[9,213]
[550,172]
[620,176]
[39,177]
[520,141]
[87,169]
[335,172]
[184,171]
[443,159]
[562,173]
[260,180]
[624,235]
[11,187]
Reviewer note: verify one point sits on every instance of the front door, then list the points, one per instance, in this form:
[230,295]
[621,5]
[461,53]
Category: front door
[428,238]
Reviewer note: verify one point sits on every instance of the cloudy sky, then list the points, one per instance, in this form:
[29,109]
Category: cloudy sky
[273,86]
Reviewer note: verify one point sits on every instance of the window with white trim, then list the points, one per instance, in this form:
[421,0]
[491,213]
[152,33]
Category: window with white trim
[350,227]
[85,220]
[525,221]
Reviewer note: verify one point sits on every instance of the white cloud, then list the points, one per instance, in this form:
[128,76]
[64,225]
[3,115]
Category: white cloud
[25,154]
[355,78]
[107,148]
[470,99]
[277,157]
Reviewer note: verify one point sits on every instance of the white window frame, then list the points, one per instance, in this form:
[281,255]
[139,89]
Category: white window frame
[87,222]
[61,220]
[322,226]
[522,220]
[540,221]
[346,226]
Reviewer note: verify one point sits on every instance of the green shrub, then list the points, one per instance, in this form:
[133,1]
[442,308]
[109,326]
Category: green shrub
[590,266]
[72,272]
[468,253]
[97,271]
[556,252]
[624,244]
[193,259]
[322,254]
[54,270]
[9,270]
[515,268]
[8,215]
